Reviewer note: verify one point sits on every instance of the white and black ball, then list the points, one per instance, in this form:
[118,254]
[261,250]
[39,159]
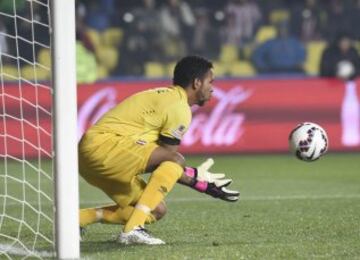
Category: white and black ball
[308,141]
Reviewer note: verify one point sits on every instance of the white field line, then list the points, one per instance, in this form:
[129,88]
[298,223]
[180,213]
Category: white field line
[265,198]
[250,198]
[9,249]
[244,198]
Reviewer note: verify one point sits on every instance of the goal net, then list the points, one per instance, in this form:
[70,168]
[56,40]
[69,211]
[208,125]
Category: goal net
[28,219]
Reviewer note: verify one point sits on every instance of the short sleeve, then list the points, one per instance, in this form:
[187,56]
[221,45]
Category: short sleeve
[177,119]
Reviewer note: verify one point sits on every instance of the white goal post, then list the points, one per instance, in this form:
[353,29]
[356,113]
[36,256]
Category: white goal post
[66,162]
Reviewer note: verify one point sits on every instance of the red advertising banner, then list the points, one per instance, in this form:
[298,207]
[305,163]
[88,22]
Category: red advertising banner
[243,116]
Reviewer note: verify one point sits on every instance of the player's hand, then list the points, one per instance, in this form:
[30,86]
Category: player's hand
[213,184]
[222,193]
[203,174]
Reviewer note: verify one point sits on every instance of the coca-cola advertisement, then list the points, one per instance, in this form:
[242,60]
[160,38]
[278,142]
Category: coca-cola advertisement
[252,116]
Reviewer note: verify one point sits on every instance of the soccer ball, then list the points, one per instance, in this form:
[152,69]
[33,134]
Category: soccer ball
[308,141]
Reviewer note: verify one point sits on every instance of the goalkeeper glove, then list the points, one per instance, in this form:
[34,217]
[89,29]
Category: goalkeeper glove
[213,184]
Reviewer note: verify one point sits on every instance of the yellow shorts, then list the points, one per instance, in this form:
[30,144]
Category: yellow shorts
[113,163]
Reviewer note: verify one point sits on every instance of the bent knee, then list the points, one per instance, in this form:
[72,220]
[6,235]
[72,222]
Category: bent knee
[160,211]
[177,158]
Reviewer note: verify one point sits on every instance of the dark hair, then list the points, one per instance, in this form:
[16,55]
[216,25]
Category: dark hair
[189,68]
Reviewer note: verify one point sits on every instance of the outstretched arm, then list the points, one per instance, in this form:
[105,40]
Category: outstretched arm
[200,179]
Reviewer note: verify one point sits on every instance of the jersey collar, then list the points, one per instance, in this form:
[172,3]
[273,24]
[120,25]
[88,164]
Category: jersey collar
[182,91]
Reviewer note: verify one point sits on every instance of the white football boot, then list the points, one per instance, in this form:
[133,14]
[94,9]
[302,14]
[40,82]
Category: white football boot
[139,235]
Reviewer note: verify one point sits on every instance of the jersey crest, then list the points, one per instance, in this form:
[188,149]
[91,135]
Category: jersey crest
[179,132]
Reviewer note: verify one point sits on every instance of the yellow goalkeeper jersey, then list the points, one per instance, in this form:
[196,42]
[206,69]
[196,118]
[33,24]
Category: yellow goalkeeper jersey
[145,117]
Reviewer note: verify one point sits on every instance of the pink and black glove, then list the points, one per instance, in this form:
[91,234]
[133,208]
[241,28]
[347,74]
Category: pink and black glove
[213,184]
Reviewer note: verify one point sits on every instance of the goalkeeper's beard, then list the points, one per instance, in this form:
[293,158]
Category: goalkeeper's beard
[202,99]
[201,102]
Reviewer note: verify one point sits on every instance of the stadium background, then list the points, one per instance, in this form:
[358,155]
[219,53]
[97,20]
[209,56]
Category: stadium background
[123,47]
[126,46]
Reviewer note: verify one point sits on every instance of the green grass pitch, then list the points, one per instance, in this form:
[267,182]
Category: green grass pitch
[288,209]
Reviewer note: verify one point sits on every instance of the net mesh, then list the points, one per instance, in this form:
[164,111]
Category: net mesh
[26,172]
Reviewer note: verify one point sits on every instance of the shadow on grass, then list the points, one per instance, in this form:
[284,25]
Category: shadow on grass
[108,246]
[112,246]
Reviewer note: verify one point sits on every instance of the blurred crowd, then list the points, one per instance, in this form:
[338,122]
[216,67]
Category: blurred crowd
[242,37]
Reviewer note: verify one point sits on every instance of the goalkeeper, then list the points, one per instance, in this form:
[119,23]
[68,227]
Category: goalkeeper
[142,134]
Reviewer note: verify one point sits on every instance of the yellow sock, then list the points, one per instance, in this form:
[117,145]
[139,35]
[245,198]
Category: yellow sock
[87,216]
[161,182]
[110,215]
[115,215]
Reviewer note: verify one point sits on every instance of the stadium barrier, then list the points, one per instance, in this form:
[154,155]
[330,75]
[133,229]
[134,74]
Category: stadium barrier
[253,115]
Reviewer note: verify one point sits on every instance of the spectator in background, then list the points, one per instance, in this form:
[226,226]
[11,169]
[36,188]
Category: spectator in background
[99,14]
[340,59]
[355,20]
[141,42]
[86,65]
[243,17]
[206,39]
[177,25]
[148,22]
[308,21]
[81,28]
[282,54]
[134,51]
[338,19]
